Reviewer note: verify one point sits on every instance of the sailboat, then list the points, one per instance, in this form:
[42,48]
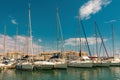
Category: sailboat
[28,64]
[115,61]
[2,64]
[56,63]
[99,62]
[6,63]
[82,61]
[59,63]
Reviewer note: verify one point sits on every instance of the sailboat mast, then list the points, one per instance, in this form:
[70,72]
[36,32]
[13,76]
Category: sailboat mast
[96,39]
[79,33]
[82,27]
[60,28]
[86,38]
[101,39]
[57,29]
[112,39]
[38,46]
[30,27]
[16,39]
[27,46]
[5,40]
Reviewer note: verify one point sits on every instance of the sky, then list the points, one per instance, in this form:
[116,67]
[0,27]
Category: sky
[14,13]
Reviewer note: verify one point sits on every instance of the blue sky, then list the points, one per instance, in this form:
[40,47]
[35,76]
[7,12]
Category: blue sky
[43,15]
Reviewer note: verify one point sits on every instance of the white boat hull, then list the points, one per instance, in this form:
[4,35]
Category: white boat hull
[24,66]
[27,66]
[7,66]
[60,65]
[115,63]
[101,64]
[43,65]
[80,65]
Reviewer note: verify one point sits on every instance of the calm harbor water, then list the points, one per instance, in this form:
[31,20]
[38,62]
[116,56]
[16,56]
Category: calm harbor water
[111,73]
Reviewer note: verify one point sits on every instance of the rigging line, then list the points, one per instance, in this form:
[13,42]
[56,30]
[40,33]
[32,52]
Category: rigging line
[112,38]
[79,33]
[100,50]
[96,39]
[61,32]
[4,39]
[101,38]
[86,38]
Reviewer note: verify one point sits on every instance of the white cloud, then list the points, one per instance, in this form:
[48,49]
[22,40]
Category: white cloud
[39,40]
[76,41]
[92,7]
[21,44]
[14,21]
[112,21]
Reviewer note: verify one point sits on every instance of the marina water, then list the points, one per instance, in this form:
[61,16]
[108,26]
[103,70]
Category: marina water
[102,73]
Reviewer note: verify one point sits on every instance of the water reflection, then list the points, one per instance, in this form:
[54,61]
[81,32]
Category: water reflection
[112,73]
[115,73]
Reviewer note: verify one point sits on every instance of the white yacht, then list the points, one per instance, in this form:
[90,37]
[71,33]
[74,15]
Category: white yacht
[27,66]
[60,64]
[84,62]
[7,64]
[101,63]
[115,62]
[43,65]
[24,65]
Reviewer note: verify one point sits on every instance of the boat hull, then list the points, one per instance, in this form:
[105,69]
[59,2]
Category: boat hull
[101,64]
[115,63]
[80,65]
[43,65]
[27,66]
[24,66]
[60,65]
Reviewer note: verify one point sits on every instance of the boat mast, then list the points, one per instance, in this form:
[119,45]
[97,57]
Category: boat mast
[30,27]
[96,39]
[16,38]
[5,40]
[38,46]
[112,39]
[59,27]
[19,45]
[79,33]
[86,39]
[101,38]
[27,46]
